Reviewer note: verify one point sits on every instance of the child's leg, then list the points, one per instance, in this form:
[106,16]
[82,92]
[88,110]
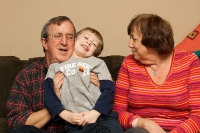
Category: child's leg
[70,128]
[136,130]
[95,128]
[111,122]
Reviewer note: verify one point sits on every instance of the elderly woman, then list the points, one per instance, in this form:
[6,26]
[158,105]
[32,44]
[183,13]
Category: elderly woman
[158,87]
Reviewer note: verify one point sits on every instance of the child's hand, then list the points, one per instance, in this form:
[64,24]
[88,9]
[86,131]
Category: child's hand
[58,81]
[89,117]
[73,118]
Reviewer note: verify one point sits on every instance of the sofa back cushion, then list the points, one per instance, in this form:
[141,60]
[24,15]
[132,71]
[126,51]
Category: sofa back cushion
[11,65]
[113,63]
[9,68]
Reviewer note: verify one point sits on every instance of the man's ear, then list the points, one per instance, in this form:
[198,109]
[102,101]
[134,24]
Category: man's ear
[44,43]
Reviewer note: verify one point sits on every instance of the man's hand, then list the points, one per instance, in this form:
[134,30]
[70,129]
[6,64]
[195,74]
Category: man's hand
[94,79]
[89,117]
[58,81]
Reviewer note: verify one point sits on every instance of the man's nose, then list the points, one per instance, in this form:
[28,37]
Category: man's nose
[64,40]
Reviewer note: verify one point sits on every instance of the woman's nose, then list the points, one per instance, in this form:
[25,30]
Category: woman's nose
[130,44]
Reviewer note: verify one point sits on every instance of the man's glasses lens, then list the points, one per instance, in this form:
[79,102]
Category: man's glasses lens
[58,36]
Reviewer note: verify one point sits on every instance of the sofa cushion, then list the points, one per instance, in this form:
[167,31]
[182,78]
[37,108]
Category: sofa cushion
[9,68]
[113,63]
[31,60]
[191,42]
[3,126]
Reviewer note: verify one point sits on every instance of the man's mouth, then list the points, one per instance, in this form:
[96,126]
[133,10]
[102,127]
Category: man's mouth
[63,50]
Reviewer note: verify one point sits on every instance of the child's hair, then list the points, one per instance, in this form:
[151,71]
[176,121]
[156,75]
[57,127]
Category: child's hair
[99,36]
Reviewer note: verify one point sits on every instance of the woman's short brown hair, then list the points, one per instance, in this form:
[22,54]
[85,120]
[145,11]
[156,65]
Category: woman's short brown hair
[156,32]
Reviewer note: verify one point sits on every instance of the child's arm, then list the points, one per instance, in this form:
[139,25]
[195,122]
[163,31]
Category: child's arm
[57,83]
[89,117]
[73,118]
[103,105]
[52,99]
[52,102]
[54,105]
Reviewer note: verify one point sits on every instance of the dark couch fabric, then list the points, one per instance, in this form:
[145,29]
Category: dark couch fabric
[11,65]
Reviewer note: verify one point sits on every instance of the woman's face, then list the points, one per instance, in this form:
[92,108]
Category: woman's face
[139,51]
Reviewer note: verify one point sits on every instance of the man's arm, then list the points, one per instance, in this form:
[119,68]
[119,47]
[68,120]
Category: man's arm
[23,101]
[39,118]
[54,105]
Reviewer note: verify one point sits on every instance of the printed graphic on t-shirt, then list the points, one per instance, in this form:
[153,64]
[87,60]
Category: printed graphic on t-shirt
[73,68]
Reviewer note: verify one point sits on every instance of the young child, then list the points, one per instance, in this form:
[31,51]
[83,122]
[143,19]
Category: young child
[83,103]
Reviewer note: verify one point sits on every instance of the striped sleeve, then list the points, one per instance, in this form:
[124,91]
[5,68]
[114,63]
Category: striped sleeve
[121,99]
[192,124]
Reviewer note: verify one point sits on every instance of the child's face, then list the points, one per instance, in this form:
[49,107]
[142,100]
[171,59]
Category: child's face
[86,44]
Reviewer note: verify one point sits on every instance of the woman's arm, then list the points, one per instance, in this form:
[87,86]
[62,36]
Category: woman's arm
[192,124]
[149,125]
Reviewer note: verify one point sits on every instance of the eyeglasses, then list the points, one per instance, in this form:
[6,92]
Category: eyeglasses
[59,36]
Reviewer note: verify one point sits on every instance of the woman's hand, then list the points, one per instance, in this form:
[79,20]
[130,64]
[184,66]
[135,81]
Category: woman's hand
[94,79]
[149,125]
[58,81]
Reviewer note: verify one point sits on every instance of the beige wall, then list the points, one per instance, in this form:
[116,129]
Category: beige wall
[22,20]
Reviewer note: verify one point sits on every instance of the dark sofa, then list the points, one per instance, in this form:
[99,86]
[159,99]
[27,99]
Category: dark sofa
[11,65]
